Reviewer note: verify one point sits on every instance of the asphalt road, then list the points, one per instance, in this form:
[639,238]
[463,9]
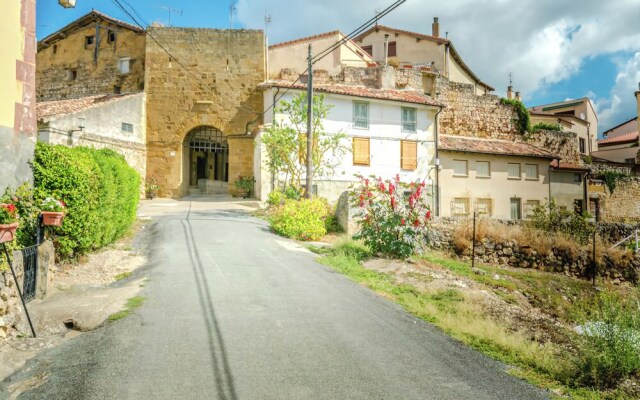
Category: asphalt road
[235,312]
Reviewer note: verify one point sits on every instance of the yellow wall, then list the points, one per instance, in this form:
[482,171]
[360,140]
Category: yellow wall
[408,49]
[10,51]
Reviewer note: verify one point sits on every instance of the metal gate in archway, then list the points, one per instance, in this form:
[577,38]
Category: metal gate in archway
[208,155]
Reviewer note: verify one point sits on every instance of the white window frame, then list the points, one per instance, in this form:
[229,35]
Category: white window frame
[488,163]
[481,202]
[526,172]
[359,119]
[120,63]
[466,167]
[409,125]
[509,176]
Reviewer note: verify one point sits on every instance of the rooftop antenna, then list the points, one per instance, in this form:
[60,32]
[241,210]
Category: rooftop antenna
[377,13]
[176,11]
[267,20]
[232,10]
[510,79]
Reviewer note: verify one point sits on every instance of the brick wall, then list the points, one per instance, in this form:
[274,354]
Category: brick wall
[53,81]
[220,91]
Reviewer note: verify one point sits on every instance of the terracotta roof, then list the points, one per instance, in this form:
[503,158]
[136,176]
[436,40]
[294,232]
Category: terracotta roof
[47,110]
[569,166]
[619,139]
[406,96]
[82,22]
[491,146]
[454,52]
[305,39]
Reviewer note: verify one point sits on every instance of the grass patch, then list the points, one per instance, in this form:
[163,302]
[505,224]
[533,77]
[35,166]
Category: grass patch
[123,275]
[131,305]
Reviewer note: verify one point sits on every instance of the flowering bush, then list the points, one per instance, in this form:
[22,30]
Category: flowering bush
[391,222]
[8,213]
[51,204]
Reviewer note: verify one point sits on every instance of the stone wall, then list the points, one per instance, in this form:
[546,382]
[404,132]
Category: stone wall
[564,144]
[56,61]
[219,90]
[468,114]
[623,205]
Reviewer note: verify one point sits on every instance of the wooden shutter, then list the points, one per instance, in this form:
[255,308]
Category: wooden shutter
[360,151]
[392,49]
[368,49]
[408,154]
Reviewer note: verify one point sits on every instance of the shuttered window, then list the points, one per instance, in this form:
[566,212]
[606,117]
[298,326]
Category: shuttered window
[408,154]
[409,121]
[531,171]
[483,169]
[368,49]
[513,171]
[460,206]
[360,115]
[484,207]
[460,168]
[392,49]
[361,151]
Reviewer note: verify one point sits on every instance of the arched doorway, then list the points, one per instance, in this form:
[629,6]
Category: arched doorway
[208,158]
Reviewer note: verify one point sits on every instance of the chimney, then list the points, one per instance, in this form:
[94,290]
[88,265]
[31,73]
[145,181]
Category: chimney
[435,27]
[510,92]
[518,97]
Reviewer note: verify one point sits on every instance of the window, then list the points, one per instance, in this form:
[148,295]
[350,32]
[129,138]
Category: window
[72,74]
[484,207]
[360,115]
[516,212]
[55,48]
[117,89]
[368,49]
[111,37]
[361,151]
[460,206]
[582,145]
[578,206]
[123,65]
[529,207]
[408,154]
[409,119]
[513,171]
[577,178]
[630,160]
[460,168]
[483,169]
[89,41]
[127,127]
[531,171]
[391,50]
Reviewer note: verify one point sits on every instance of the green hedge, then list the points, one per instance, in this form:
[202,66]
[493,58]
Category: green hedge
[300,219]
[100,189]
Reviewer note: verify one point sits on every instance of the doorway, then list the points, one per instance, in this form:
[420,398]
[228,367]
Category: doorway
[208,158]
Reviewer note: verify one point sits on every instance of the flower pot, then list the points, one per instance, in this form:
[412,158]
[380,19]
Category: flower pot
[244,193]
[52,218]
[8,232]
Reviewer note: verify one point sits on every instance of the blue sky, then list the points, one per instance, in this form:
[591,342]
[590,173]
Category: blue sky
[554,49]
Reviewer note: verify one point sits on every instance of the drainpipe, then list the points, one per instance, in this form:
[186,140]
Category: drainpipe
[585,200]
[589,136]
[550,181]
[437,193]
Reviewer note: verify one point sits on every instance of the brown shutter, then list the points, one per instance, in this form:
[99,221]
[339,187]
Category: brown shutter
[368,49]
[391,51]
[408,154]
[360,151]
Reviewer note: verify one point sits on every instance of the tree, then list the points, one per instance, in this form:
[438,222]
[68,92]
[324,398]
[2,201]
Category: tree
[286,142]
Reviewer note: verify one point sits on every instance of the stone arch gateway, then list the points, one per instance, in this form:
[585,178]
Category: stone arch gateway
[207,153]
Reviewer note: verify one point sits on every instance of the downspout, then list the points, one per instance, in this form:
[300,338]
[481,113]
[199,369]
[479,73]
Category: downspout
[551,181]
[585,200]
[437,193]
[589,136]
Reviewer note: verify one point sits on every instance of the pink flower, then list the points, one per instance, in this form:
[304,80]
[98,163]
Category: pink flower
[366,182]
[393,203]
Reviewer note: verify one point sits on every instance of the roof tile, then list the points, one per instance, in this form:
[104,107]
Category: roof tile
[491,146]
[620,139]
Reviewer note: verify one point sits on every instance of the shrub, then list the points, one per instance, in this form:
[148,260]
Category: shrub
[558,219]
[610,343]
[611,178]
[390,222]
[302,219]
[275,198]
[101,192]
[27,211]
[524,119]
[542,126]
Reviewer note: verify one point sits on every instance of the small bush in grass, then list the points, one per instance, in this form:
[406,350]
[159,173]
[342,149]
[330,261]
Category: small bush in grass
[302,219]
[390,222]
[610,343]
[275,198]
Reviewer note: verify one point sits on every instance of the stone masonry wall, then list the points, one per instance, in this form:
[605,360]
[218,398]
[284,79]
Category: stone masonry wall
[468,114]
[220,90]
[52,77]
[623,205]
[564,144]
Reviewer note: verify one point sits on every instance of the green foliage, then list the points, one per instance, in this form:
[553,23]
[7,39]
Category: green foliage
[151,187]
[286,142]
[53,205]
[101,192]
[610,344]
[390,222]
[131,305]
[541,126]
[275,198]
[302,219]
[524,119]
[244,183]
[611,178]
[27,211]
[558,219]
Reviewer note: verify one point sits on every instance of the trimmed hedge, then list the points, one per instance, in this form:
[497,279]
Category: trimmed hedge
[101,191]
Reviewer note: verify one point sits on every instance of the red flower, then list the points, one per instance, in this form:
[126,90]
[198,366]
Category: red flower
[369,194]
[382,187]
[402,222]
[391,188]
[393,203]
[416,223]
[427,216]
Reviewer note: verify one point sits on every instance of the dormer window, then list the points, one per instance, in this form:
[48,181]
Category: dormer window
[124,65]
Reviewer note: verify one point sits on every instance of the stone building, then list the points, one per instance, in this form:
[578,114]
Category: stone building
[17,102]
[198,90]
[94,55]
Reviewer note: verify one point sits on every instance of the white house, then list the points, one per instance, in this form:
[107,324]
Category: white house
[388,132]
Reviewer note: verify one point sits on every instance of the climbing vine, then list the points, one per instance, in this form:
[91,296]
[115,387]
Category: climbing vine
[611,178]
[541,126]
[524,120]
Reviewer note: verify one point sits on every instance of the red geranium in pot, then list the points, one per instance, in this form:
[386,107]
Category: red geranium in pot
[53,211]
[8,222]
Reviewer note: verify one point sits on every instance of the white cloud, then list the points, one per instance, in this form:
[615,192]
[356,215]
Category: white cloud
[541,42]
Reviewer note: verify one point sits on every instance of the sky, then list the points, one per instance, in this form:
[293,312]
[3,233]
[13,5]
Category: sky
[554,49]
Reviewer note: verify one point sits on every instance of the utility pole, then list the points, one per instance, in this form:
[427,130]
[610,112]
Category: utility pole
[309,179]
[267,20]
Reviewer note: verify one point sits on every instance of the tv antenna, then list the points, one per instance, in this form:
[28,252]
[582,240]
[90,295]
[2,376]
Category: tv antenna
[510,79]
[377,11]
[176,11]
[232,10]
